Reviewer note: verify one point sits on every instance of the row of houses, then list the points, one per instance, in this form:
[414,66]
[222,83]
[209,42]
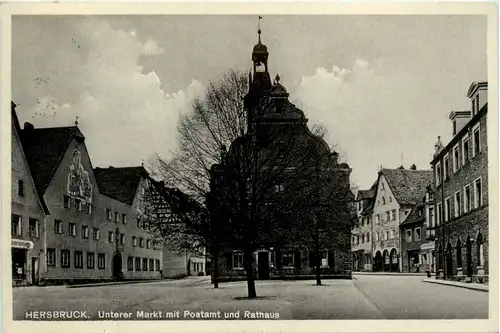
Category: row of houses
[432,220]
[71,222]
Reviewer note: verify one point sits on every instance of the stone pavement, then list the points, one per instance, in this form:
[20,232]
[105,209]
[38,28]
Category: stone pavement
[472,286]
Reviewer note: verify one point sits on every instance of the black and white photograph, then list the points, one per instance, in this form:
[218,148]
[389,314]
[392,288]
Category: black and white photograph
[251,167]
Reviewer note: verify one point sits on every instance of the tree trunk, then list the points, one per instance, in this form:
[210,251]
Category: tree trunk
[248,263]
[318,267]
[216,268]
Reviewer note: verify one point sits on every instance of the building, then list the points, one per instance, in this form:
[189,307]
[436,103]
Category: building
[362,232]
[461,193]
[417,241]
[91,232]
[274,127]
[398,192]
[29,213]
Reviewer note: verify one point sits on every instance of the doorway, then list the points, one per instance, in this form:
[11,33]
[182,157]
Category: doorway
[263,265]
[449,260]
[18,266]
[117,266]
[377,267]
[468,246]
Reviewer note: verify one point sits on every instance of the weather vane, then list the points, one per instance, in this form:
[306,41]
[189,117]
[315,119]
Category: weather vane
[258,25]
[76,120]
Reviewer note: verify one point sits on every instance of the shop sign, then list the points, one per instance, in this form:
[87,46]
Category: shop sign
[22,244]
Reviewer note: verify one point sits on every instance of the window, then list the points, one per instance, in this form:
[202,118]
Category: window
[431,216]
[378,218]
[287,258]
[144,264]
[85,231]
[467,199]
[417,234]
[386,234]
[478,193]
[438,173]
[439,213]
[279,188]
[122,239]
[145,225]
[393,232]
[111,236]
[134,241]
[474,110]
[117,217]
[139,224]
[446,169]
[367,237]
[377,237]
[16,225]
[408,236]
[137,264]
[108,214]
[454,127]
[20,187]
[456,158]
[88,208]
[124,218]
[130,263]
[362,238]
[458,204]
[359,205]
[72,229]
[91,260]
[65,258]
[78,205]
[51,257]
[95,234]
[476,143]
[34,228]
[141,242]
[148,243]
[157,265]
[237,260]
[67,202]
[58,226]
[151,264]
[465,149]
[101,260]
[78,259]
[388,215]
[368,219]
[447,209]
[390,199]
[393,215]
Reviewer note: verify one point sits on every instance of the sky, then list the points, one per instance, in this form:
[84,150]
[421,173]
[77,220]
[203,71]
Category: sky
[383,86]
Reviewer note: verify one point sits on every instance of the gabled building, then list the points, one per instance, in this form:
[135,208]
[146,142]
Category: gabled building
[28,219]
[362,232]
[398,192]
[460,172]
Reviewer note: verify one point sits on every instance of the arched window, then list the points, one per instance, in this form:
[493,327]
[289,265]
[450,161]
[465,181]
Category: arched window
[480,250]
[459,254]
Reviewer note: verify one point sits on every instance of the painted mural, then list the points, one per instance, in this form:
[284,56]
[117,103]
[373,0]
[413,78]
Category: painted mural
[79,184]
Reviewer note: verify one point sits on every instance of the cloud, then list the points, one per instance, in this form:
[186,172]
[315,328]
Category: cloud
[123,113]
[366,109]
[151,48]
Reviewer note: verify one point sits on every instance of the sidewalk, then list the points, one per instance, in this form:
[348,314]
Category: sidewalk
[110,283]
[472,286]
[389,273]
[187,281]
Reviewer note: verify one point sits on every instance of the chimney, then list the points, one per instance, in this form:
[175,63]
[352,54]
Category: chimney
[28,127]
[459,119]
[413,167]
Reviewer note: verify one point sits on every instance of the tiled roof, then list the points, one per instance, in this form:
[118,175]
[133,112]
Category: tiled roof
[413,217]
[45,148]
[408,186]
[366,194]
[119,183]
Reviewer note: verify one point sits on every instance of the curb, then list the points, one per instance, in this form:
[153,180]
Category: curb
[110,283]
[458,285]
[388,274]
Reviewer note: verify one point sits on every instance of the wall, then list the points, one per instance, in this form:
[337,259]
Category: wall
[26,206]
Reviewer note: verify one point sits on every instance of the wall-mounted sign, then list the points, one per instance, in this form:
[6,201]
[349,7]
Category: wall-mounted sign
[79,184]
[22,244]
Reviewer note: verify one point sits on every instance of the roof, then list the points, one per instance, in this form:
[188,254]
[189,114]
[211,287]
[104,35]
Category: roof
[366,194]
[413,217]
[17,128]
[45,148]
[119,183]
[407,186]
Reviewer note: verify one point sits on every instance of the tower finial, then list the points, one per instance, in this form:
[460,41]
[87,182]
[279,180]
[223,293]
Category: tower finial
[76,120]
[259,31]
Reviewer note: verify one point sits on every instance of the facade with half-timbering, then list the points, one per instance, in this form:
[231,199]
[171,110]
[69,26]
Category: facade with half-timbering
[461,193]
[278,129]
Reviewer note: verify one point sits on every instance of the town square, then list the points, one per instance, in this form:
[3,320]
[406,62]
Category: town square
[250,167]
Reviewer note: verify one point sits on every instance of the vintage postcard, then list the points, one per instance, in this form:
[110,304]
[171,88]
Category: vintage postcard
[250,167]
